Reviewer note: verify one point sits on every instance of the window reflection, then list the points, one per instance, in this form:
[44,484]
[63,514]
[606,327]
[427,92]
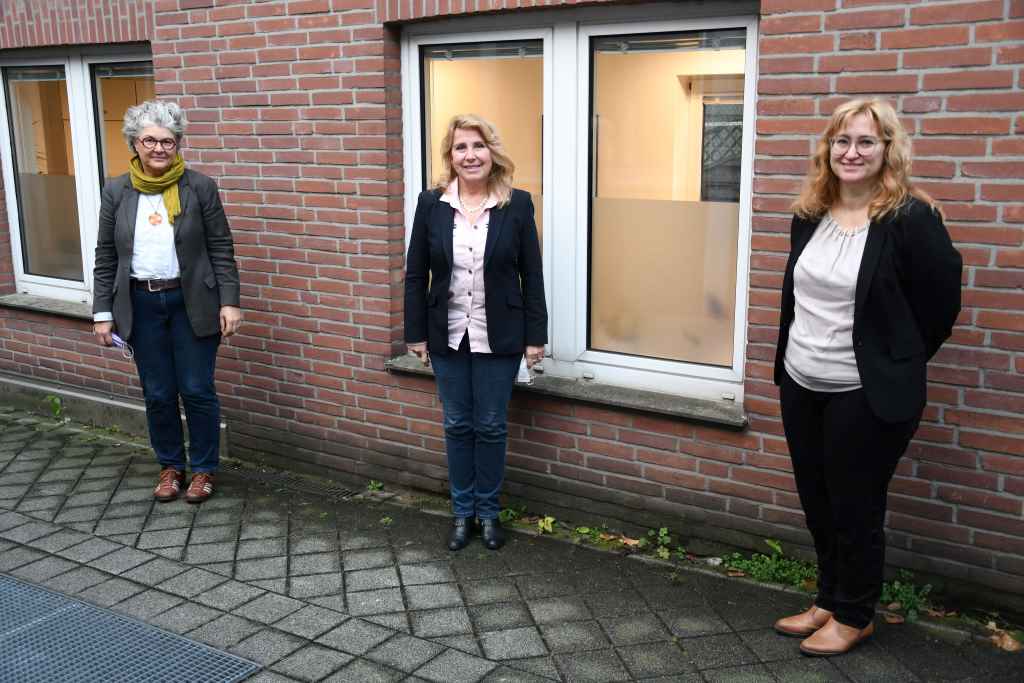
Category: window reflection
[117,87]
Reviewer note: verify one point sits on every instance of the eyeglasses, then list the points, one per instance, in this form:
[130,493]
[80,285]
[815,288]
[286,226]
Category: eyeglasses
[864,146]
[166,144]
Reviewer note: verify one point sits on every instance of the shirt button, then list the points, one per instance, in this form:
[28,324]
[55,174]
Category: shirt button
[471,272]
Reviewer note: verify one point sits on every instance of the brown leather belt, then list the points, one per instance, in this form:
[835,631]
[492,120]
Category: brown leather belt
[157,285]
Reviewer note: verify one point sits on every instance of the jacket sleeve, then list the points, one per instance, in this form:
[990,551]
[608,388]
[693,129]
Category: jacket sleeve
[417,268]
[105,266]
[933,271]
[531,277]
[219,245]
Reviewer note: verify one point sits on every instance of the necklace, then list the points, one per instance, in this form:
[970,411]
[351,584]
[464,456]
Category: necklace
[472,209]
[155,218]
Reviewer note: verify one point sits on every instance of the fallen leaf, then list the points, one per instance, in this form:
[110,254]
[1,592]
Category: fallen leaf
[630,542]
[991,626]
[736,572]
[608,537]
[894,606]
[1004,641]
[893,618]
[938,613]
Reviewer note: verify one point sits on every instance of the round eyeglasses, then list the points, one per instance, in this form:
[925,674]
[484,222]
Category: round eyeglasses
[166,144]
[865,146]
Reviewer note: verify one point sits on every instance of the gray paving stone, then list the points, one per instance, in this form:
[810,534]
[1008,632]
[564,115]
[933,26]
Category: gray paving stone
[267,530]
[434,595]
[694,622]
[122,560]
[10,520]
[431,572]
[553,610]
[174,553]
[229,595]
[155,571]
[124,539]
[65,538]
[265,568]
[225,631]
[375,602]
[571,636]
[43,569]
[214,534]
[355,540]
[29,532]
[313,544]
[88,498]
[311,622]
[805,670]
[146,605]
[440,622]
[89,550]
[272,585]
[362,671]
[191,583]
[769,646]
[533,587]
[110,592]
[312,663]
[131,495]
[712,652]
[367,559]
[515,643]
[163,522]
[76,580]
[316,585]
[655,659]
[111,527]
[466,643]
[869,662]
[49,504]
[268,608]
[405,652]
[453,666]
[505,674]
[635,629]
[83,514]
[498,616]
[396,621]
[615,603]
[185,617]
[332,602]
[355,636]
[490,590]
[203,553]
[314,563]
[264,547]
[757,673]
[163,538]
[208,517]
[267,646]
[598,666]
[371,579]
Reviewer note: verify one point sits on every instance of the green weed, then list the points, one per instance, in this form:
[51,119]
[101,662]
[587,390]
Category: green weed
[905,595]
[375,485]
[774,568]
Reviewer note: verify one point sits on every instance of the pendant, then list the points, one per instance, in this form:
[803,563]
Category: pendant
[155,219]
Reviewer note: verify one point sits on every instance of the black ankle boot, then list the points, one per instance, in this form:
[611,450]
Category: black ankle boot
[462,529]
[493,534]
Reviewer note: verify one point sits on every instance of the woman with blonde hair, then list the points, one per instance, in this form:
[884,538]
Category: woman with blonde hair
[871,290]
[474,304]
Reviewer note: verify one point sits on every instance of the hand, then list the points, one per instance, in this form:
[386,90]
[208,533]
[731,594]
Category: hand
[419,350]
[104,332]
[534,355]
[230,319]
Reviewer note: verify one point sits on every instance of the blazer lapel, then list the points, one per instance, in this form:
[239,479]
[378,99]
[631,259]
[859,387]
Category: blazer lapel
[868,264]
[184,197]
[130,207]
[497,220]
[445,223]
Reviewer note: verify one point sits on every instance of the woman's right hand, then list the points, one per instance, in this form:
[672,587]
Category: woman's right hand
[104,332]
[420,351]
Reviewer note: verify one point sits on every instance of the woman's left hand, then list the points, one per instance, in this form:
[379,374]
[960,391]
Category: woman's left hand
[230,319]
[534,355]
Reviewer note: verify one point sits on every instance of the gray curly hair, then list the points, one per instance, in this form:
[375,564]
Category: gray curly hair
[153,113]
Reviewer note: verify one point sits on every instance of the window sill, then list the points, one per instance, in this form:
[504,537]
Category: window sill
[78,310]
[721,413]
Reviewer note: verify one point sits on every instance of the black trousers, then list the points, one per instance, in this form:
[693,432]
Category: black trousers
[843,459]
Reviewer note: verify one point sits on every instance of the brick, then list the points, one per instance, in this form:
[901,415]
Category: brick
[877,84]
[955,13]
[886,61]
[981,499]
[793,86]
[858,41]
[1002,193]
[786,6]
[845,21]
[1003,31]
[992,442]
[965,125]
[935,59]
[992,522]
[1013,54]
[797,45]
[786,65]
[968,80]
[806,23]
[925,37]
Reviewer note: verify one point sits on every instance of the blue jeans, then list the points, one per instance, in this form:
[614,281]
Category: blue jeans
[173,362]
[475,389]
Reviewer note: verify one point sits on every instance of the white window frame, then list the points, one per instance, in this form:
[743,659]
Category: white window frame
[566,171]
[85,153]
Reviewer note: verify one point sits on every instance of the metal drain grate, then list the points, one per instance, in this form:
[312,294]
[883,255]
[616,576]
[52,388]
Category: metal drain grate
[288,480]
[47,638]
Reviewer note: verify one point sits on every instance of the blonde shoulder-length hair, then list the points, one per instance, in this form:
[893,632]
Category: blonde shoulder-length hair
[499,183]
[893,188]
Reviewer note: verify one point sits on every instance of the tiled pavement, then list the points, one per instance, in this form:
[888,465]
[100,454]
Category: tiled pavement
[318,589]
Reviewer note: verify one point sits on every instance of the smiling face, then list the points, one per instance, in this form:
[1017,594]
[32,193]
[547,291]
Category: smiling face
[156,161]
[471,158]
[853,158]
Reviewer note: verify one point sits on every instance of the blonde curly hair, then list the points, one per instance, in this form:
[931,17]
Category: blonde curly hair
[893,187]
[499,183]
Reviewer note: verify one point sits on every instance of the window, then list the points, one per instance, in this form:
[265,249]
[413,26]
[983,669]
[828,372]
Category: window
[635,139]
[60,138]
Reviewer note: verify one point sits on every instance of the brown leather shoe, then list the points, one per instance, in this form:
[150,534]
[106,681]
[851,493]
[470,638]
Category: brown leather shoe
[803,624]
[835,639]
[200,489]
[169,485]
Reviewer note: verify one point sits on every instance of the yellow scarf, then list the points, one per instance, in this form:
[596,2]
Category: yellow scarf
[167,184]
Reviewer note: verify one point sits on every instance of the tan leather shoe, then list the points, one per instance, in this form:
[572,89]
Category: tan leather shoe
[169,485]
[835,639]
[803,624]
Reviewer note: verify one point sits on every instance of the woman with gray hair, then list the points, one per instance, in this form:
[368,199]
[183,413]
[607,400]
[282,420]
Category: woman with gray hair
[166,283]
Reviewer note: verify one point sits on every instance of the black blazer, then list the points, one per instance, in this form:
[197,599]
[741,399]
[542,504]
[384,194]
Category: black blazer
[517,314]
[907,300]
[202,240]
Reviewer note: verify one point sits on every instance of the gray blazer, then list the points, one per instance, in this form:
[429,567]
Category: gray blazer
[202,239]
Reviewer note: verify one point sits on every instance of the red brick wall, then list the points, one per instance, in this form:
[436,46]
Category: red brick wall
[34,23]
[295,108]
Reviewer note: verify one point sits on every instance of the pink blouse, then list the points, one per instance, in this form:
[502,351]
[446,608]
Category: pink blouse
[466,296]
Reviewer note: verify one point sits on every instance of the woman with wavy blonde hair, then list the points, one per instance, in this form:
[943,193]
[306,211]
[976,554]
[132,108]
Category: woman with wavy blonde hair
[871,291]
[474,305]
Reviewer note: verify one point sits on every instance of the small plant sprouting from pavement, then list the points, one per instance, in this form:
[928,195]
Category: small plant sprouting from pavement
[386,521]
[546,524]
[56,405]
[375,485]
[509,515]
[904,595]
[774,568]
[658,542]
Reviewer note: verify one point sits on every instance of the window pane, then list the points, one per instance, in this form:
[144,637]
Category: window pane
[44,171]
[117,87]
[666,133]
[502,82]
